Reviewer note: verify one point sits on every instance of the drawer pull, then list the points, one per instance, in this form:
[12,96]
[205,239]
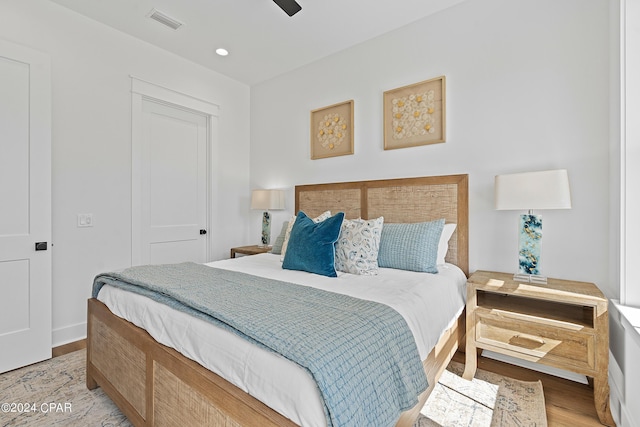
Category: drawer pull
[527,341]
[536,339]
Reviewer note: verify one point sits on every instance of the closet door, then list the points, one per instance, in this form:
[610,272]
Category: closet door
[173,140]
[174,184]
[25,207]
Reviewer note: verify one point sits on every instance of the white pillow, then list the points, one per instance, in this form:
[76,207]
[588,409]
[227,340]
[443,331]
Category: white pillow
[292,221]
[358,245]
[443,244]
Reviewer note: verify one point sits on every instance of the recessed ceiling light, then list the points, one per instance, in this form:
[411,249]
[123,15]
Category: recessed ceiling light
[222,52]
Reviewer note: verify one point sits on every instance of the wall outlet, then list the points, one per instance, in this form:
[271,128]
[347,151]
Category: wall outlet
[85,220]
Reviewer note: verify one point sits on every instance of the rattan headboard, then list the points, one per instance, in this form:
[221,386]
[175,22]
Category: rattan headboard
[398,200]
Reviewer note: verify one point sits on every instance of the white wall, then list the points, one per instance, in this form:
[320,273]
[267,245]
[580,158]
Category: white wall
[91,144]
[527,89]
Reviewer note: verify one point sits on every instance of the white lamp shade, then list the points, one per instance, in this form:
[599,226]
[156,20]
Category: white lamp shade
[267,199]
[533,190]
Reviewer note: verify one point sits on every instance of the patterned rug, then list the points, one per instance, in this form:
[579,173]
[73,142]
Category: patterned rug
[53,393]
[490,400]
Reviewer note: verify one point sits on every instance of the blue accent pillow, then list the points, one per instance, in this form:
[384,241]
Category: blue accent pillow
[411,247]
[311,245]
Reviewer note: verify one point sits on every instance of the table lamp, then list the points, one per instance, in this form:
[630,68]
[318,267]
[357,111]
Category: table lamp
[267,200]
[532,191]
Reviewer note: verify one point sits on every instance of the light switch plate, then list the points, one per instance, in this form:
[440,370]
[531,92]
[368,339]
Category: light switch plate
[85,220]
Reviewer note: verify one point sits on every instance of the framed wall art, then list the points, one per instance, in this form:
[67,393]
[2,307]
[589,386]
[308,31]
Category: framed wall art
[415,114]
[332,130]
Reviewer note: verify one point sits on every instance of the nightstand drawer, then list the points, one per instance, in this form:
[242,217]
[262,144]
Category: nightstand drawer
[564,348]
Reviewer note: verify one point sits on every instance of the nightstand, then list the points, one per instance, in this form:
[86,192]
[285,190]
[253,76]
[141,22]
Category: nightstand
[249,250]
[562,323]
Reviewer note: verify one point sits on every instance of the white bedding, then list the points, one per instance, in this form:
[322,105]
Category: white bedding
[430,303]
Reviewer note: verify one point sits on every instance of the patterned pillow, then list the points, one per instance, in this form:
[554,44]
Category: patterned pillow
[411,247]
[292,221]
[358,245]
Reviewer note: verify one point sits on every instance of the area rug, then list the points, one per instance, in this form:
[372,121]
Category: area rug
[490,400]
[53,393]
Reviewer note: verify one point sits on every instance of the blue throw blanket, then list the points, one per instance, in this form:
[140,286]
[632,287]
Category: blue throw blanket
[361,354]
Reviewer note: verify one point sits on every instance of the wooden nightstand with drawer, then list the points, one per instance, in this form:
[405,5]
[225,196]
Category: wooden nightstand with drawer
[562,323]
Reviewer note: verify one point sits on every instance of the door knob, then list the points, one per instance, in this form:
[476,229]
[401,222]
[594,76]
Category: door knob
[41,246]
[203,231]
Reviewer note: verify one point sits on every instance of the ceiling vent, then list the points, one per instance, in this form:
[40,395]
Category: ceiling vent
[164,19]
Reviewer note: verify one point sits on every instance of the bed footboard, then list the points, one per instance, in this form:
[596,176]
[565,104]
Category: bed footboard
[154,385]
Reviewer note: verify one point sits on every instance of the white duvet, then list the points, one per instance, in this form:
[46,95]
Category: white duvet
[430,303]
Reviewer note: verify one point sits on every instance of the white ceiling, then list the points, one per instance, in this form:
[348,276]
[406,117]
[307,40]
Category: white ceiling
[262,40]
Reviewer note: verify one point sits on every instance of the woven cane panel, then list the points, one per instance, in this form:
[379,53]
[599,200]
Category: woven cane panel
[313,203]
[121,362]
[417,203]
[178,404]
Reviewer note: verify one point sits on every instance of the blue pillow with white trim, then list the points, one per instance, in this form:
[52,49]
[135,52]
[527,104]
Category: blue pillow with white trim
[411,247]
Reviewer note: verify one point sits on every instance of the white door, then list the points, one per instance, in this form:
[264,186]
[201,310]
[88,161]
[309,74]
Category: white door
[25,206]
[174,184]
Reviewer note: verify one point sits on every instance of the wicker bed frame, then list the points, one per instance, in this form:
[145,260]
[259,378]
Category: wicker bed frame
[155,385]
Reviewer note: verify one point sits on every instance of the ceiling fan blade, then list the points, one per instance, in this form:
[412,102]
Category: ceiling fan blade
[291,7]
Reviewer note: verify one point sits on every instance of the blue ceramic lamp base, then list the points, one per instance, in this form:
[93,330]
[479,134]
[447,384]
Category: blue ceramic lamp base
[530,248]
[266,229]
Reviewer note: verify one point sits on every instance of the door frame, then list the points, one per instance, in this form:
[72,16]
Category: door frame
[142,90]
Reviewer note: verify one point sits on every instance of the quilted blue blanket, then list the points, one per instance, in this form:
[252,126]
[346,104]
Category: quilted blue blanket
[361,354]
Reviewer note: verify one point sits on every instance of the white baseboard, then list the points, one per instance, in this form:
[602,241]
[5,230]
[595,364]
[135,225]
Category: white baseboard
[626,419]
[616,376]
[536,367]
[616,387]
[69,334]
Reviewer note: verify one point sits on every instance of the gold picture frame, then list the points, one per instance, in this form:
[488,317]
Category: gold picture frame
[332,130]
[415,114]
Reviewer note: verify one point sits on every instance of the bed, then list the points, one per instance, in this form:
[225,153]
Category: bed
[155,385]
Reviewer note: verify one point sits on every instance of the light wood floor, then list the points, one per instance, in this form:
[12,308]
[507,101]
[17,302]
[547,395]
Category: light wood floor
[568,403]
[68,348]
